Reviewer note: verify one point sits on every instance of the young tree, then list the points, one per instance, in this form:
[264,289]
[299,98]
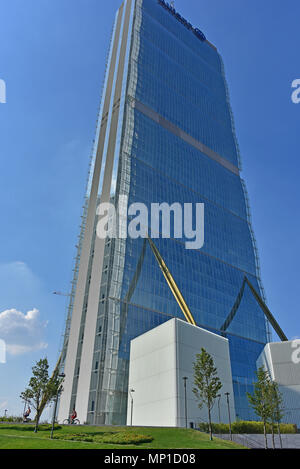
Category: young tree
[260,399]
[276,408]
[41,388]
[207,383]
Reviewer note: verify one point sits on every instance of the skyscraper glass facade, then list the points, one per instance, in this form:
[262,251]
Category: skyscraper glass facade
[175,142]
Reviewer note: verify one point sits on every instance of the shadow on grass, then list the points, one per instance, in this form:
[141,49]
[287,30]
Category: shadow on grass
[28,428]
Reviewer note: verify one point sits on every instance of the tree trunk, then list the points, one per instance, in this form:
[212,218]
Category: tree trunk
[265,433]
[273,436]
[279,433]
[37,419]
[209,424]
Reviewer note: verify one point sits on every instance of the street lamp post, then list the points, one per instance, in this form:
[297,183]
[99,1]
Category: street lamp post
[25,405]
[185,378]
[62,375]
[227,394]
[131,391]
[219,396]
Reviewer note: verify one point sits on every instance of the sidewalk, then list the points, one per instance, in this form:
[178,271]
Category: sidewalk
[290,441]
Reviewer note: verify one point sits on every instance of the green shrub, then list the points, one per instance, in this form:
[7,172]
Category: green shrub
[203,427]
[76,437]
[288,428]
[216,427]
[258,427]
[248,427]
[119,438]
[48,427]
[251,427]
[11,419]
[124,438]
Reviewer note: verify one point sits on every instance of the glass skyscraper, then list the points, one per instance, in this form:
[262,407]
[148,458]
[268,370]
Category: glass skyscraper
[165,134]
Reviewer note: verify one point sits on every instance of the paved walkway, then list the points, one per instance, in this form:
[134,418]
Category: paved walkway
[290,441]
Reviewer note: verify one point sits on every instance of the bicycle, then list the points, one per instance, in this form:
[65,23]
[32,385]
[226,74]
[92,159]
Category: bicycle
[71,422]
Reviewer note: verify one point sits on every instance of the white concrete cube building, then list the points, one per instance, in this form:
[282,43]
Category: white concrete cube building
[159,359]
[282,360]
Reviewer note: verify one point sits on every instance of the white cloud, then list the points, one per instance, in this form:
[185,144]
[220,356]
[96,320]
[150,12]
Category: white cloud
[21,332]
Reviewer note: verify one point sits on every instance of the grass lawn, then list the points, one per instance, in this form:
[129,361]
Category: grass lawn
[23,437]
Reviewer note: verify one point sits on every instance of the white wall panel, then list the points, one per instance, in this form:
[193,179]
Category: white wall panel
[159,359]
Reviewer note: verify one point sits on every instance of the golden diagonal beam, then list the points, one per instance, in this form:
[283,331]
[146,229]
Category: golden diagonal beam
[172,284]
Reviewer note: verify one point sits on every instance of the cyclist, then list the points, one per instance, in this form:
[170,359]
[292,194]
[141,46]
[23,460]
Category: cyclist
[26,414]
[73,416]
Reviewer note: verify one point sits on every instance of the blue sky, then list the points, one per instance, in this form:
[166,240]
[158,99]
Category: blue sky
[52,56]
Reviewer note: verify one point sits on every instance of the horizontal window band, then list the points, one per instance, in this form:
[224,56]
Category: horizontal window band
[183,135]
